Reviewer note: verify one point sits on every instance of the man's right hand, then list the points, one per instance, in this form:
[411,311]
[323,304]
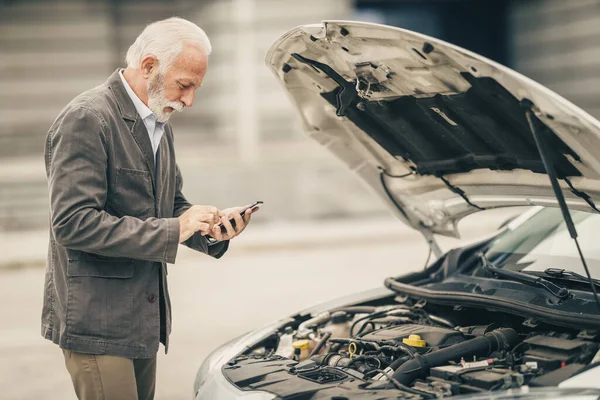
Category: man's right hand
[198,219]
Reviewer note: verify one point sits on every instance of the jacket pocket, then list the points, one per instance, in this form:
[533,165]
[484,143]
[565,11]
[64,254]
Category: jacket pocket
[100,267]
[132,193]
[100,298]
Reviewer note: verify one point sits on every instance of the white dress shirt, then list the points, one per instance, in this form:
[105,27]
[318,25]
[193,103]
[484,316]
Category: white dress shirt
[155,130]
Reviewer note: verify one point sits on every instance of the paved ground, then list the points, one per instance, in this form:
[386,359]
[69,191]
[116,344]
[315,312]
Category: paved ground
[260,280]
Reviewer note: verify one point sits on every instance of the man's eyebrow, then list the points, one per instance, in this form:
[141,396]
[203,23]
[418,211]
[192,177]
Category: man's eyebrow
[186,82]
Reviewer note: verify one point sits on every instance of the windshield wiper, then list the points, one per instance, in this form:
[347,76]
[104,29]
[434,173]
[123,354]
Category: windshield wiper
[558,291]
[527,105]
[570,276]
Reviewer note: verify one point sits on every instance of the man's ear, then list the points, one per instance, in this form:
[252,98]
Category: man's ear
[148,66]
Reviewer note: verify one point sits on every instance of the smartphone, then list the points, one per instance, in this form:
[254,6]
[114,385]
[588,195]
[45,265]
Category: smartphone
[254,206]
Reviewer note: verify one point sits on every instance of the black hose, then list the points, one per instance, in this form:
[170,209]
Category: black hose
[389,349]
[396,348]
[362,331]
[332,359]
[364,358]
[362,343]
[499,339]
[373,315]
[404,388]
[399,362]
[336,347]
[320,345]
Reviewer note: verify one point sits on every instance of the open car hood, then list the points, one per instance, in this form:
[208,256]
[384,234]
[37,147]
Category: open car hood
[439,132]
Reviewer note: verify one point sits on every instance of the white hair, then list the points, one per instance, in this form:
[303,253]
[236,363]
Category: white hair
[164,40]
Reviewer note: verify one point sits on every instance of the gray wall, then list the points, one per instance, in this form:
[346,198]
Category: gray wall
[240,142]
[557,43]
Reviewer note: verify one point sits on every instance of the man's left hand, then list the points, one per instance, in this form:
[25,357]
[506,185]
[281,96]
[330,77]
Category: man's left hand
[240,223]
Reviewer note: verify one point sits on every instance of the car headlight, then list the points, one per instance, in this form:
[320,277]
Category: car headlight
[210,382]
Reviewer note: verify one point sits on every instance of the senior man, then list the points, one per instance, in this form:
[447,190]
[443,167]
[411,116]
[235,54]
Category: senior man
[118,215]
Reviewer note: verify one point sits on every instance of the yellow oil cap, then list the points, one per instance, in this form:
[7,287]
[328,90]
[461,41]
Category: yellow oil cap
[414,341]
[300,344]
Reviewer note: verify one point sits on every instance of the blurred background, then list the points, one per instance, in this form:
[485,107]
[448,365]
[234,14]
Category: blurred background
[242,140]
[321,232]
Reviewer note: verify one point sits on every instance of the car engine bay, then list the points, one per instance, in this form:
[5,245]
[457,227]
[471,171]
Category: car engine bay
[398,349]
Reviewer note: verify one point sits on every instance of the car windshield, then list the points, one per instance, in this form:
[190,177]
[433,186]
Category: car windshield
[543,242]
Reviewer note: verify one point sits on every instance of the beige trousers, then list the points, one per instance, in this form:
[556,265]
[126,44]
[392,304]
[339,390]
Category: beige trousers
[101,377]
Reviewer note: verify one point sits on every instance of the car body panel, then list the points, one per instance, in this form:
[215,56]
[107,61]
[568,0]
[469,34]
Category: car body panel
[428,83]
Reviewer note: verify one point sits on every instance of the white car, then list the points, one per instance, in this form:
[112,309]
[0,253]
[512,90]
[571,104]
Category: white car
[440,133]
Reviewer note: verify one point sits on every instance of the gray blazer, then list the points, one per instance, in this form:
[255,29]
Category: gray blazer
[113,228]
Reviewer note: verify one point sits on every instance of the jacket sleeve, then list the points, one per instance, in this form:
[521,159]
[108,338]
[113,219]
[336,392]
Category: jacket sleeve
[77,178]
[196,241]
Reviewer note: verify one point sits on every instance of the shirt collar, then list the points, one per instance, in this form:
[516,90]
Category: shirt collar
[140,107]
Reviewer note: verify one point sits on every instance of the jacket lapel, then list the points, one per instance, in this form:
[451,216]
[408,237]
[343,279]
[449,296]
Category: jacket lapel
[140,134]
[162,157]
[134,121]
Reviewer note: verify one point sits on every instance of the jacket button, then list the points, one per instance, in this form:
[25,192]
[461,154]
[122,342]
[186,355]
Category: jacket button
[152,298]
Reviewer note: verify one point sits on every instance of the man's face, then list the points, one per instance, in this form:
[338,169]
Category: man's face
[175,89]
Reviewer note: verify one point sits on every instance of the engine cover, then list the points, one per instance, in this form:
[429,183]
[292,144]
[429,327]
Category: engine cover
[432,335]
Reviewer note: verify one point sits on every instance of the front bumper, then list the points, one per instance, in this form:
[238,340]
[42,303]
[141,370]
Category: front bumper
[217,387]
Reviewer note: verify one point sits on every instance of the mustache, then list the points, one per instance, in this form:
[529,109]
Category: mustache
[175,105]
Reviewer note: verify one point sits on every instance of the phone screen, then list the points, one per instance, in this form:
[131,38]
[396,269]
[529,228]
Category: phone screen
[252,206]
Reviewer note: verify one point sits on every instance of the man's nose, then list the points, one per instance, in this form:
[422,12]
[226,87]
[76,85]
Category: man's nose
[188,98]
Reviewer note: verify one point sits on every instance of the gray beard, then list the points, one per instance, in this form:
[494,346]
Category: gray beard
[157,101]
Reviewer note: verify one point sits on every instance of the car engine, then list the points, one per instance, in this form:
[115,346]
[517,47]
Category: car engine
[412,351]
